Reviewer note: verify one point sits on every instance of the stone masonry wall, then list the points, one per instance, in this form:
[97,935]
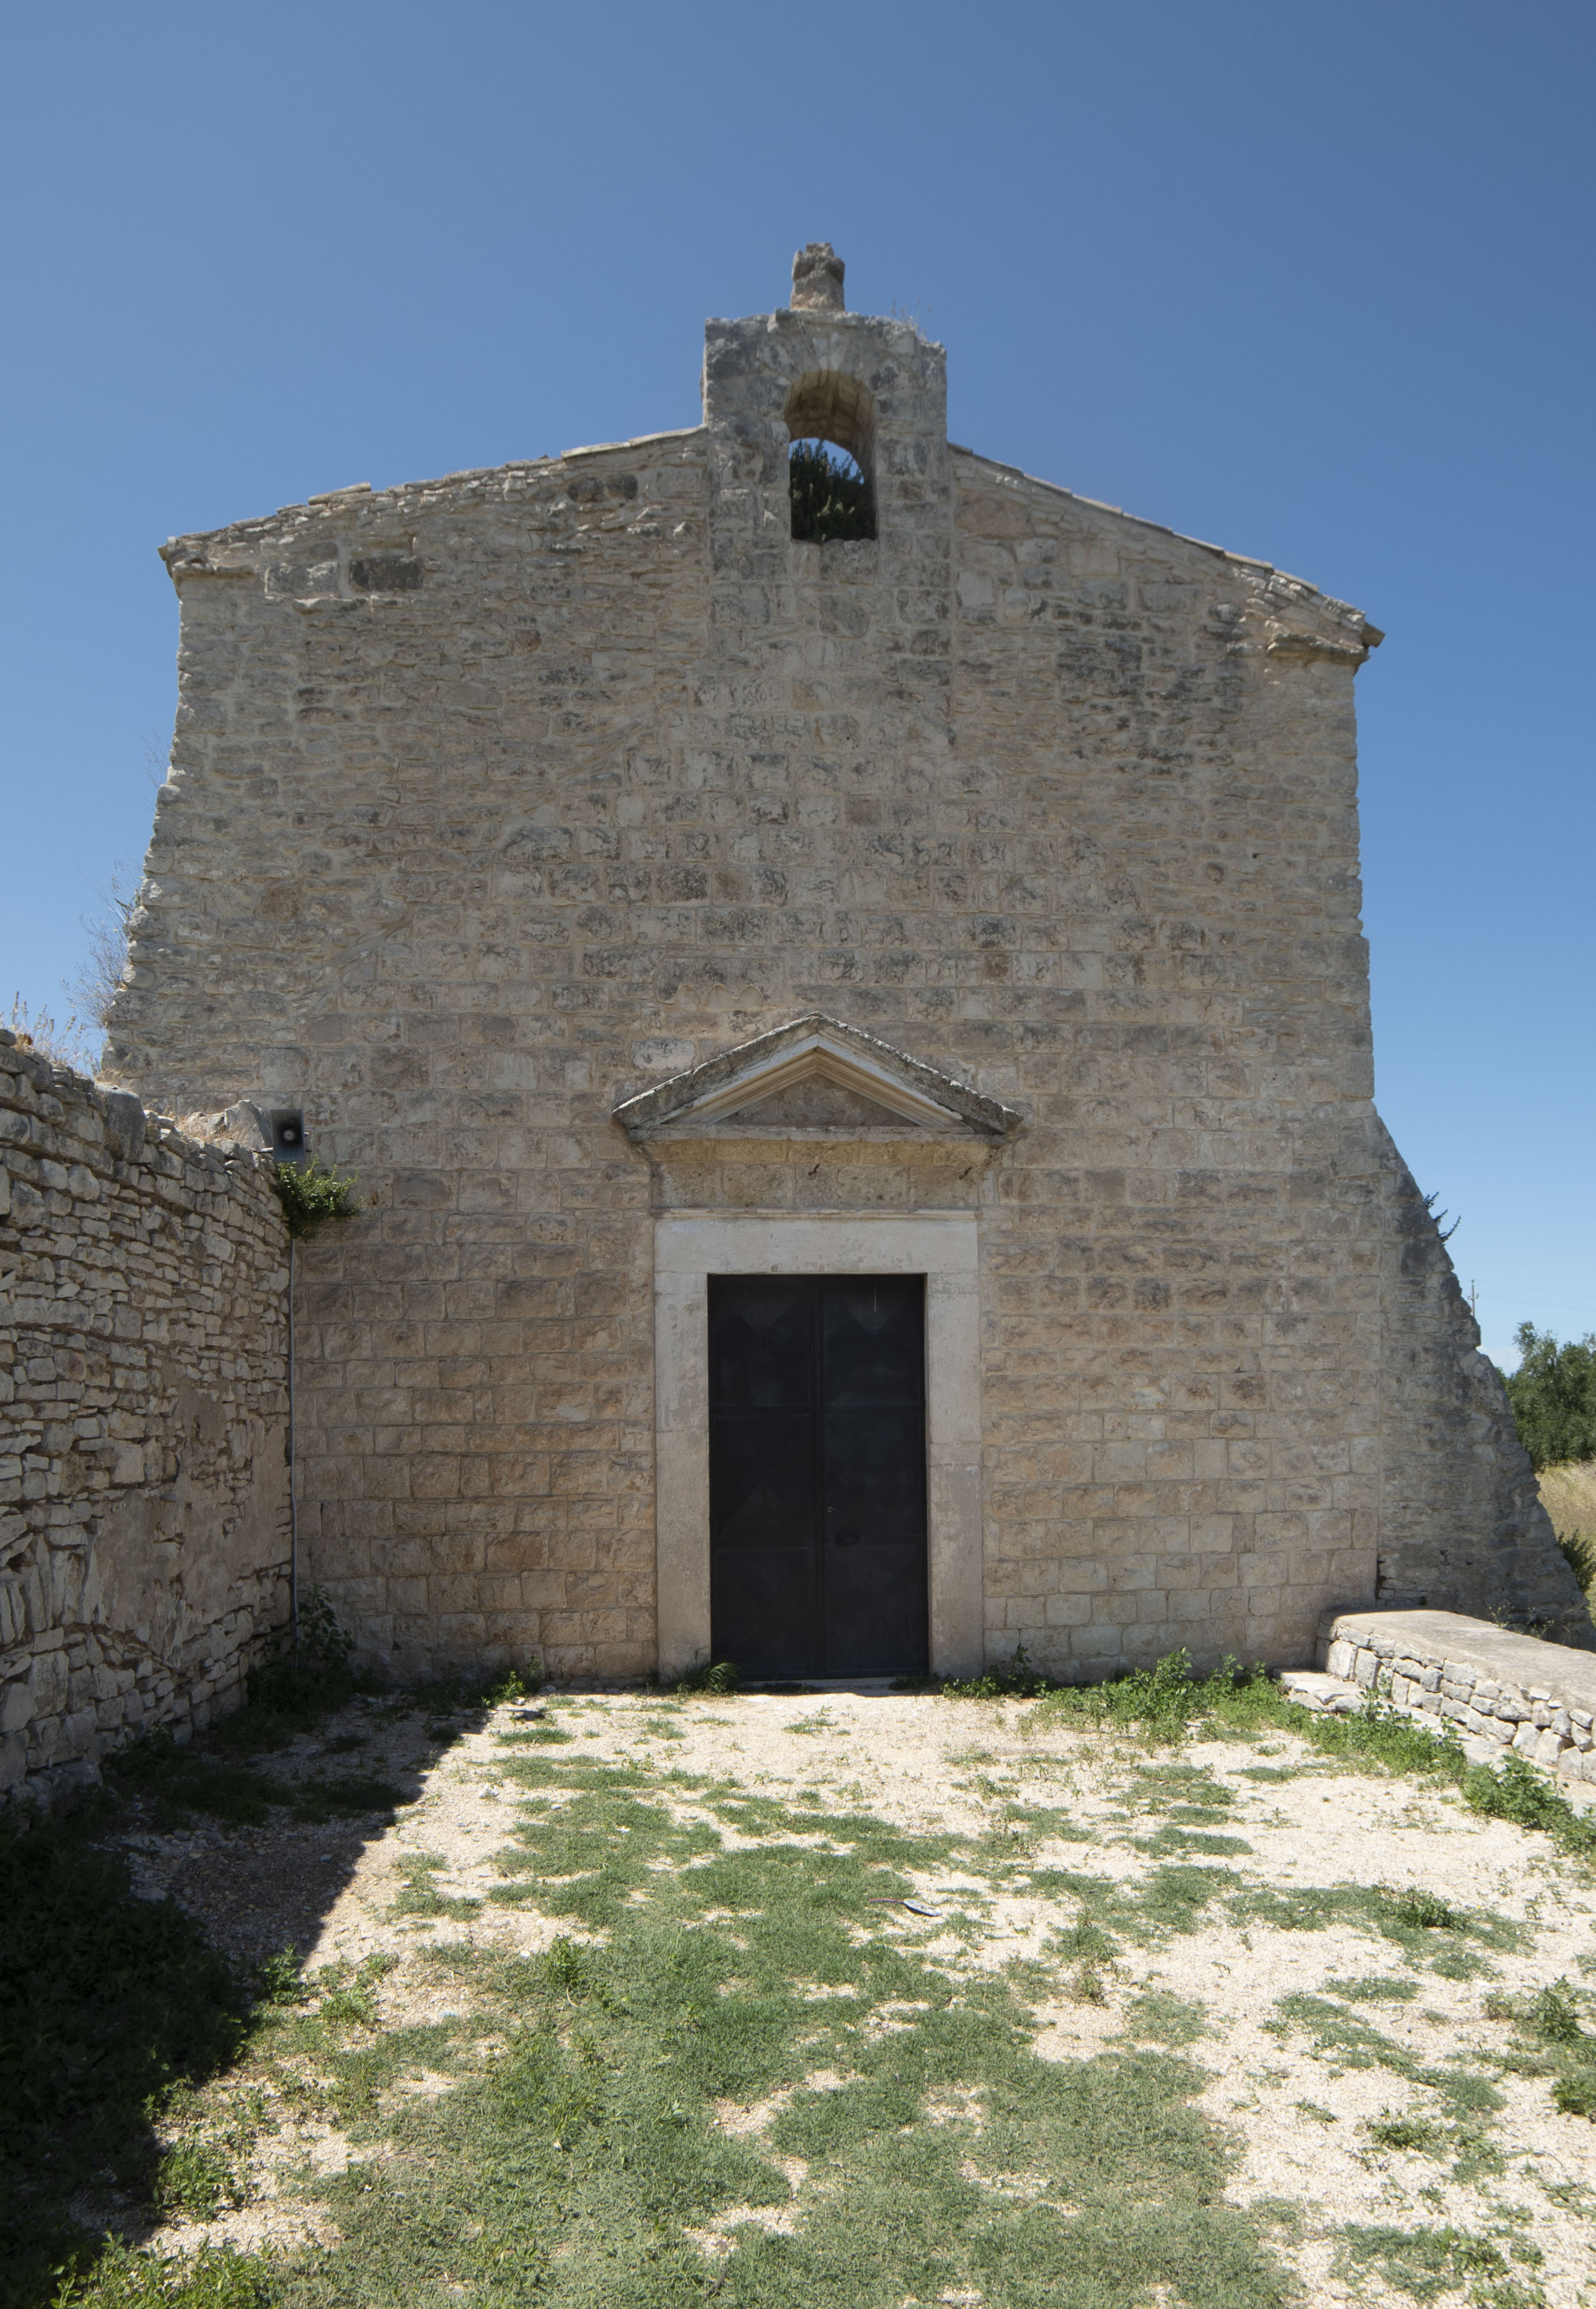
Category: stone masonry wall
[496,799]
[143,1504]
[1461,1526]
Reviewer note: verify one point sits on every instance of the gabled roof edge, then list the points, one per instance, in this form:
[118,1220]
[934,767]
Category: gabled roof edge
[1375,635]
[360,493]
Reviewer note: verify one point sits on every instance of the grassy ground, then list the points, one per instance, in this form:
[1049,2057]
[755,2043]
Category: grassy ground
[627,2008]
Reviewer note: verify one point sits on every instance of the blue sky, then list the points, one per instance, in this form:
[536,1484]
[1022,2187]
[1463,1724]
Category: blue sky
[1313,283]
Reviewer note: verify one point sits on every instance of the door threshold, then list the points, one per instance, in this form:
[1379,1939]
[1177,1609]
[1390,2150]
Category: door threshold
[868,1687]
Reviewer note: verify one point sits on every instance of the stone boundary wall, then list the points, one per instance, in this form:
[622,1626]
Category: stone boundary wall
[144,1493]
[1515,1692]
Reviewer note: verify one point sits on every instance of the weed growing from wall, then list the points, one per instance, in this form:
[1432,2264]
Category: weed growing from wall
[311,1194]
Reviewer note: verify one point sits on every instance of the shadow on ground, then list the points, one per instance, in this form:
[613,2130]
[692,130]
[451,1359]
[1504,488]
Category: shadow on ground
[142,1932]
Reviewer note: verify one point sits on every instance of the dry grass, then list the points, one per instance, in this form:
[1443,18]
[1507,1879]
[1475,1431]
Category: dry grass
[1568,1495]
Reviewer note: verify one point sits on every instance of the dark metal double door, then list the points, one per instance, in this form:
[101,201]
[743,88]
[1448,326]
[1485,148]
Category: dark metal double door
[817,1473]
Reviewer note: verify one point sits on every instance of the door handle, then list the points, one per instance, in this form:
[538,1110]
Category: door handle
[847,1539]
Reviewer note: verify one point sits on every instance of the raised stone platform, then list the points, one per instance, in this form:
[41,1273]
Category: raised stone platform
[1507,1692]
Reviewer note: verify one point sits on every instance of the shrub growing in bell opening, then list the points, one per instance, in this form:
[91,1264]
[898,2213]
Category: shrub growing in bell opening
[830,496]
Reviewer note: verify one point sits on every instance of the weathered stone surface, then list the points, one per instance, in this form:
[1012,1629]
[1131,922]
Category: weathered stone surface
[1515,1690]
[1054,802]
[143,1525]
[817,279]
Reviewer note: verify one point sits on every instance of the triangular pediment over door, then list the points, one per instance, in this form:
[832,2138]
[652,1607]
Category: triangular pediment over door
[815,1074]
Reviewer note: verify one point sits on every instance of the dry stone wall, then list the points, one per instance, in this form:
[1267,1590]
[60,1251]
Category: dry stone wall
[1511,1693]
[144,1502]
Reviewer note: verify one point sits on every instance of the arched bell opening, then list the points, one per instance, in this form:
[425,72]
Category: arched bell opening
[830,422]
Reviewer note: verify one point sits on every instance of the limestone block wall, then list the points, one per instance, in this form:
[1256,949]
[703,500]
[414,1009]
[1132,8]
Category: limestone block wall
[144,1501]
[498,797]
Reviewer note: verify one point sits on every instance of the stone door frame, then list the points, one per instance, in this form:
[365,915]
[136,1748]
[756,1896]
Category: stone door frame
[691,1246]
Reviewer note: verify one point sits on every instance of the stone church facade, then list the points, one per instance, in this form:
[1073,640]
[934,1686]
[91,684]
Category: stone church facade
[858,1057]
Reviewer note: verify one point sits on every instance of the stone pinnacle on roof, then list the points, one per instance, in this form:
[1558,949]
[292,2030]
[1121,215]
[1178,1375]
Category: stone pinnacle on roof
[817,279]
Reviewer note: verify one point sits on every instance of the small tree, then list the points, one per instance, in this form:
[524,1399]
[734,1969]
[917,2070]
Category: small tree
[1553,1395]
[103,969]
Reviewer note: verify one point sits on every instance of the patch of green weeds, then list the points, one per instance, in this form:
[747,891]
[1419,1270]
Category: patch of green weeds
[279,1980]
[569,2169]
[347,1997]
[197,2178]
[1167,2019]
[107,2001]
[372,2066]
[178,1781]
[1426,1910]
[1410,1919]
[296,1691]
[524,1682]
[1188,1791]
[1194,1804]
[1167,1700]
[719,1676]
[1320,2115]
[214,2277]
[1553,2044]
[1334,2031]
[1172,1837]
[1172,1898]
[1424,2263]
[1164,1702]
[587,1858]
[419,1895]
[1046,1823]
[1462,2097]
[1555,2015]
[1390,2130]
[1373,1988]
[1089,1949]
[1014,1678]
[459,1957]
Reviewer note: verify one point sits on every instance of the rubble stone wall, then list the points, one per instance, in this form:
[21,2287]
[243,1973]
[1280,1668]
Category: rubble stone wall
[144,1499]
[1462,1524]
